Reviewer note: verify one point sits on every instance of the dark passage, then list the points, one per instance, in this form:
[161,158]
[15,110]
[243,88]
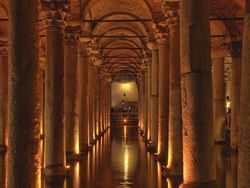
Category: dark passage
[119,160]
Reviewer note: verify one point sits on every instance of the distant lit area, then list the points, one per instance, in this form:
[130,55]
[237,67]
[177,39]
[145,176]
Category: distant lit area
[124,91]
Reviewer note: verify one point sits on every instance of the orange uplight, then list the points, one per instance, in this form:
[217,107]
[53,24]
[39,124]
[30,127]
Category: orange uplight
[125,120]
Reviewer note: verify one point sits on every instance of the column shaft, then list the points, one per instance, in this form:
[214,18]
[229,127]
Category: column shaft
[235,99]
[91,100]
[24,118]
[163,100]
[154,96]
[149,102]
[3,116]
[244,131]
[145,103]
[84,103]
[196,85]
[175,159]
[54,97]
[219,98]
[71,109]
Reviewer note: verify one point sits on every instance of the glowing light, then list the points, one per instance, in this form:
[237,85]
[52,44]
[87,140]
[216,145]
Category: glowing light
[67,166]
[125,120]
[228,104]
[169,183]
[126,160]
[125,131]
[126,86]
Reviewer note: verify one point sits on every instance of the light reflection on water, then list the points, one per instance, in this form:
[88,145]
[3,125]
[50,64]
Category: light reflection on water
[119,160]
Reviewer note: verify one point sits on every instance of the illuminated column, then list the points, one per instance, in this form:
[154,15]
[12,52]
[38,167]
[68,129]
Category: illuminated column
[197,105]
[54,91]
[163,45]
[3,113]
[244,129]
[96,122]
[24,102]
[235,99]
[140,86]
[154,95]
[149,101]
[145,102]
[218,97]
[83,72]
[91,101]
[71,112]
[175,159]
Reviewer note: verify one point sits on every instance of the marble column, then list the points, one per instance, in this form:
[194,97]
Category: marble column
[219,97]
[196,85]
[71,110]
[175,159]
[83,100]
[54,91]
[244,129]
[24,102]
[163,105]
[154,95]
[3,113]
[235,92]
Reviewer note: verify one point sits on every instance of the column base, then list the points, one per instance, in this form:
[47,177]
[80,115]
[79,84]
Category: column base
[211,184]
[52,171]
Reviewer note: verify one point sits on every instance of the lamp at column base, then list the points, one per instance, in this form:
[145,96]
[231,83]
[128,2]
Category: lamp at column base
[211,184]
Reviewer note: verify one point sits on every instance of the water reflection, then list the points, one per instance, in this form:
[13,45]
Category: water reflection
[119,160]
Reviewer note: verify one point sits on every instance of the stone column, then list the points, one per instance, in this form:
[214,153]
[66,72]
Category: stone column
[145,102]
[148,102]
[154,95]
[163,112]
[71,112]
[175,159]
[244,129]
[84,102]
[24,102]
[235,92]
[219,98]
[54,91]
[91,100]
[141,104]
[196,85]
[3,113]
[95,102]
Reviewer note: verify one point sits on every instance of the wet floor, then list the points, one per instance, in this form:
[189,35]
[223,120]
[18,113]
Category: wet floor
[119,160]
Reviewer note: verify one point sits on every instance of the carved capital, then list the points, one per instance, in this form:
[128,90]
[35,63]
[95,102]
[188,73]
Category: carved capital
[161,33]
[72,34]
[54,13]
[171,10]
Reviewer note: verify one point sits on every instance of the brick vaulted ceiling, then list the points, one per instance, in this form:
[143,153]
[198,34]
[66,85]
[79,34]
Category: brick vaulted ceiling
[122,44]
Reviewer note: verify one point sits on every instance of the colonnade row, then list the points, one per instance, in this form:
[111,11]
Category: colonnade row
[182,96]
[53,109]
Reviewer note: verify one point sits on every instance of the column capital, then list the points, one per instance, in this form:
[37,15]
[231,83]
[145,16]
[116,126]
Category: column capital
[171,10]
[54,13]
[161,33]
[72,33]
